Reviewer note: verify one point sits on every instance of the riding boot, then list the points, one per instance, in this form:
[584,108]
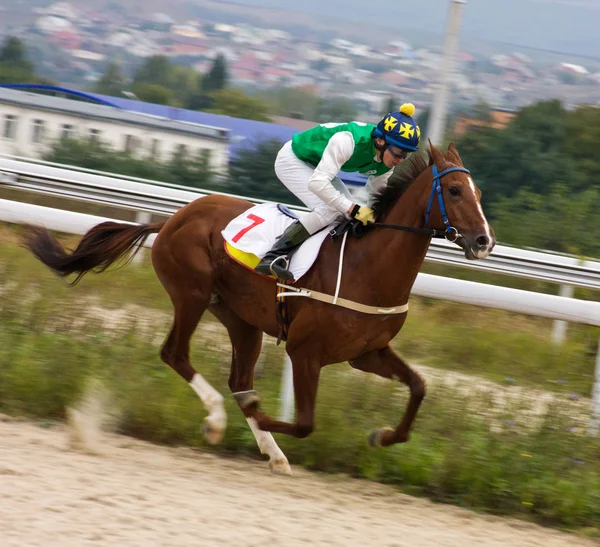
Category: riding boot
[276,261]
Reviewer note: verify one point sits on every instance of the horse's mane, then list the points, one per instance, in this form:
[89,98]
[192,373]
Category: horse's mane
[402,177]
[400,180]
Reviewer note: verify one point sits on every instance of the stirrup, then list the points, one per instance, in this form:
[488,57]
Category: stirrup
[287,275]
[286,264]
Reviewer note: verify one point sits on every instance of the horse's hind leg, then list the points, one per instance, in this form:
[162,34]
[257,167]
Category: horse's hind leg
[187,276]
[176,354]
[246,341]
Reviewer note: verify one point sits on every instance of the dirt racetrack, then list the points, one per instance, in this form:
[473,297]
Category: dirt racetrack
[139,494]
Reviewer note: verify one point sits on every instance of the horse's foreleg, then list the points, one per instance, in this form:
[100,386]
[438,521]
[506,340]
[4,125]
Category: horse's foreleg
[306,379]
[246,342]
[386,363]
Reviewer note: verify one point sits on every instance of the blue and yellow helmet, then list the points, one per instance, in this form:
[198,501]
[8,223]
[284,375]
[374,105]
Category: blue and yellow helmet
[400,129]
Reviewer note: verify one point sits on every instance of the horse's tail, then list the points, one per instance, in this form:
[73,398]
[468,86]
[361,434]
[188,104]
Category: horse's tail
[100,247]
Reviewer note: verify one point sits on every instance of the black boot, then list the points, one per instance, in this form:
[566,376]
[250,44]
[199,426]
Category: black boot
[275,262]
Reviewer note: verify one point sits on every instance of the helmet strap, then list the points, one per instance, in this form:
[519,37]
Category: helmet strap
[381,148]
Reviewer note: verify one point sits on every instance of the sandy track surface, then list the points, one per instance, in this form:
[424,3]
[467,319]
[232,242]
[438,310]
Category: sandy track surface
[137,493]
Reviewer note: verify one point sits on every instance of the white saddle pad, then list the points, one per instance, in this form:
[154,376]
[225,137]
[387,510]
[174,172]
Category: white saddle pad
[255,232]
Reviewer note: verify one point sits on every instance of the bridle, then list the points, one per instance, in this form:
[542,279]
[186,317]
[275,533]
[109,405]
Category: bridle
[450,232]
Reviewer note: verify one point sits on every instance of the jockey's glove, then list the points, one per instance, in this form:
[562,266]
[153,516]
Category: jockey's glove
[364,214]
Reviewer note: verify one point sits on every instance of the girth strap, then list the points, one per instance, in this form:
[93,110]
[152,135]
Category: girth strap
[343,302]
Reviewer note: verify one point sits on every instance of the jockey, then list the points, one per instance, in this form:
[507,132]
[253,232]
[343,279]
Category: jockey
[308,166]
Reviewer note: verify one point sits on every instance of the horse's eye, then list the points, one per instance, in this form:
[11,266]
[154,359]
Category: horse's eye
[454,191]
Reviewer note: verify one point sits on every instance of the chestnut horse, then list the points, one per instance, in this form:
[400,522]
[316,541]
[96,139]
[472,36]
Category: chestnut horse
[379,270]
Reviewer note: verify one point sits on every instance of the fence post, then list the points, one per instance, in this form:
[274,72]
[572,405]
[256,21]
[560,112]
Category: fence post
[286,411]
[141,217]
[559,328]
[595,420]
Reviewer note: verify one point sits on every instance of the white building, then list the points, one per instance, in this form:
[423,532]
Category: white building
[30,123]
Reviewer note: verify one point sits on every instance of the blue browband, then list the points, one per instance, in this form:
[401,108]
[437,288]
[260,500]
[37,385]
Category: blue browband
[437,187]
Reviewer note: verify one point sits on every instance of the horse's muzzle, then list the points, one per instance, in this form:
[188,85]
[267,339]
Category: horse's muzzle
[477,246]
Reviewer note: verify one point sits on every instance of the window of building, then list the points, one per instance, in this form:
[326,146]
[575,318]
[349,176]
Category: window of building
[155,148]
[94,135]
[181,150]
[10,127]
[132,143]
[67,131]
[38,132]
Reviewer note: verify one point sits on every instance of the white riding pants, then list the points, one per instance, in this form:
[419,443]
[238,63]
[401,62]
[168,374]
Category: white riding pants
[294,174]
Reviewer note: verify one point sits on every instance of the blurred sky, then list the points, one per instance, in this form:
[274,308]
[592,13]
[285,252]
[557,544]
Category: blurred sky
[569,26]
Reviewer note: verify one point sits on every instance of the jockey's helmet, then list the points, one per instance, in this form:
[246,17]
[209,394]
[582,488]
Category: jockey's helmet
[400,129]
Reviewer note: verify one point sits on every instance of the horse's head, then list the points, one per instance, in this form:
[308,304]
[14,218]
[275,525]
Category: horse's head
[454,204]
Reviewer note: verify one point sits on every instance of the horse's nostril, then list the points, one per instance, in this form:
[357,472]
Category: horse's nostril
[482,241]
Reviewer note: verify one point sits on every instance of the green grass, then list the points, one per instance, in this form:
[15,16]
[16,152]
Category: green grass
[549,474]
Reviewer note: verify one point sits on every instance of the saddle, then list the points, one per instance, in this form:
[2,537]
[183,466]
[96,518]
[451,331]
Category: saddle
[251,235]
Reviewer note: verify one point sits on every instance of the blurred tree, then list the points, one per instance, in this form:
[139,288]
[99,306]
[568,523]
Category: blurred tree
[155,70]
[234,102]
[13,53]
[179,169]
[527,153]
[562,220]
[567,78]
[112,81]
[252,173]
[580,145]
[185,82]
[217,77]
[336,110]
[100,156]
[422,119]
[482,111]
[292,102]
[190,170]
[10,74]
[15,67]
[153,93]
[390,105]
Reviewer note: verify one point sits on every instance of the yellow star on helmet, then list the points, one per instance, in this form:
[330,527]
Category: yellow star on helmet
[390,123]
[406,130]
[418,132]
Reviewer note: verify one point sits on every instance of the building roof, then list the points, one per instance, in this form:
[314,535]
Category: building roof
[106,112]
[242,133]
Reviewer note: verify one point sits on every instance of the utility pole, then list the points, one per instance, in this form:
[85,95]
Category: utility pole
[437,125]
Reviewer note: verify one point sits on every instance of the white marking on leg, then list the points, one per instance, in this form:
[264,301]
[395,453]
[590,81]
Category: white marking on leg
[213,402]
[267,445]
[485,252]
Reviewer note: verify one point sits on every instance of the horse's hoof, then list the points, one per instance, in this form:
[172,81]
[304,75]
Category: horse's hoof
[375,437]
[280,467]
[246,399]
[212,433]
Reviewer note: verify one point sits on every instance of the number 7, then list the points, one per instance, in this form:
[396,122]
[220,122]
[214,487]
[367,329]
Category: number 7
[256,221]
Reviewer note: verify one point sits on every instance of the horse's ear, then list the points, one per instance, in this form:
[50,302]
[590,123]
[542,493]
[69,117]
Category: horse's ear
[435,155]
[455,155]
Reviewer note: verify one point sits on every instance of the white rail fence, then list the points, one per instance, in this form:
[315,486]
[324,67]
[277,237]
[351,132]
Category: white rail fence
[515,300]
[147,197]
[161,198]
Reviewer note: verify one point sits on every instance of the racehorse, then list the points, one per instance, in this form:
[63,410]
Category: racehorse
[421,200]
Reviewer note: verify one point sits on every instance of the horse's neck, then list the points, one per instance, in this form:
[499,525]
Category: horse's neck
[392,258]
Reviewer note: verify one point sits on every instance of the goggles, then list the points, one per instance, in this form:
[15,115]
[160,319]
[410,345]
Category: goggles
[398,152]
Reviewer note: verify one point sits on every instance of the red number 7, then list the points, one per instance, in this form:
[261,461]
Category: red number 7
[255,222]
